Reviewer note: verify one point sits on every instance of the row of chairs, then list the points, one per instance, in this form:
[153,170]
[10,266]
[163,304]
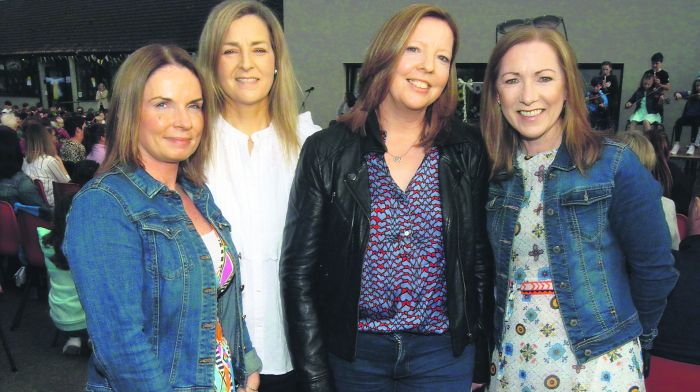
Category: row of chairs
[18,231]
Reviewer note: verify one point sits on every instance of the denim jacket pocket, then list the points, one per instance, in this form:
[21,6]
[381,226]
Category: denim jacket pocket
[586,210]
[164,249]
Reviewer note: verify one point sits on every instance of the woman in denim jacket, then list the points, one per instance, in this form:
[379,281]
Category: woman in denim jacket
[582,250]
[141,239]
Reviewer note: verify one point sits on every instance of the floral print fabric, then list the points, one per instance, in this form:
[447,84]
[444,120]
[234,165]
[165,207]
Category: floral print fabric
[535,354]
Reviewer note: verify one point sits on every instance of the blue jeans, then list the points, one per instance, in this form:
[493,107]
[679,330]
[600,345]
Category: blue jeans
[404,362]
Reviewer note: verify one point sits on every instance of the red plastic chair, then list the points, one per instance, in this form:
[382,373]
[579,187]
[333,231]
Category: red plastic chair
[682,225]
[29,239]
[42,192]
[9,246]
[668,375]
[61,189]
[9,232]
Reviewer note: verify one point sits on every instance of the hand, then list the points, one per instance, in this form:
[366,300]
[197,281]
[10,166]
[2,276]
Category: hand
[628,105]
[477,386]
[252,383]
[694,216]
[677,96]
[602,105]
[607,84]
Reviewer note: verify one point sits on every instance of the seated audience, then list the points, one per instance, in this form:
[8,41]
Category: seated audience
[15,185]
[94,142]
[64,306]
[42,162]
[73,149]
[647,155]
[679,329]
[691,113]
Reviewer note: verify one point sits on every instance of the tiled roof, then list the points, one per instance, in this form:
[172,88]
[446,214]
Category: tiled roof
[96,26]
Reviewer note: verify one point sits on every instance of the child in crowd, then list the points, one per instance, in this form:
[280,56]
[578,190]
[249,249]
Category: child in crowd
[64,307]
[691,113]
[597,104]
[649,101]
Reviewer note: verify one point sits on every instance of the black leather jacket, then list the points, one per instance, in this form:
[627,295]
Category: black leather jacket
[326,236]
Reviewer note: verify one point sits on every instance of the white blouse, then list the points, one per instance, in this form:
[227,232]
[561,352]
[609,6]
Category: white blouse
[47,169]
[252,191]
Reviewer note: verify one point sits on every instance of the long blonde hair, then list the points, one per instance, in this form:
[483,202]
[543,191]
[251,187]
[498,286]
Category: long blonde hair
[502,141]
[282,105]
[38,141]
[125,110]
[380,63]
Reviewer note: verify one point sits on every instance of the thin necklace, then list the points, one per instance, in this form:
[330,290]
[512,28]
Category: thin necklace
[395,158]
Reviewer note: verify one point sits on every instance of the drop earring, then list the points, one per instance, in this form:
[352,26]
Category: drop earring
[275,71]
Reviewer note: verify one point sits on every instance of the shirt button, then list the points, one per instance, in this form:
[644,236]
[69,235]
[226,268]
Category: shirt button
[243,317]
[406,233]
[587,352]
[563,285]
[557,249]
[573,322]
[550,212]
[351,176]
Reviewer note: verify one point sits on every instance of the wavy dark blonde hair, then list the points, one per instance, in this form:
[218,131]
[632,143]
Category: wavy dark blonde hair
[283,102]
[38,140]
[502,141]
[122,131]
[380,64]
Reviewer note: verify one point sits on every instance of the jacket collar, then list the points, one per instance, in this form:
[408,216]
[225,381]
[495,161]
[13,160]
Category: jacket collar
[149,186]
[372,139]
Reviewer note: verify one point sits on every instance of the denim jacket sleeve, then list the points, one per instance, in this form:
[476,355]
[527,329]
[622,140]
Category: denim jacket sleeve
[637,218]
[105,255]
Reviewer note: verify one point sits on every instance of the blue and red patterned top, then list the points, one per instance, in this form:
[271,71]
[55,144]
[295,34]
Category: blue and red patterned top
[403,285]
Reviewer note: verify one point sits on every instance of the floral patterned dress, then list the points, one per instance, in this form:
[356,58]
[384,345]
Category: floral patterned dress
[535,354]
[223,265]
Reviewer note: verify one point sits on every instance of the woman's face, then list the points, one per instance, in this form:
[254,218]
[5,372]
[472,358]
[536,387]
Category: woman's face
[246,68]
[172,120]
[532,90]
[647,83]
[607,70]
[423,69]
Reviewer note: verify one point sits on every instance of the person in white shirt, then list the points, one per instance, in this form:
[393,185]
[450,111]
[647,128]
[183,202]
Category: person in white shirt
[257,138]
[42,162]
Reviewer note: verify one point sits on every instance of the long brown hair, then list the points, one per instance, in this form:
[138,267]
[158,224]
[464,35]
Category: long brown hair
[502,141]
[38,141]
[283,108]
[125,110]
[662,170]
[380,64]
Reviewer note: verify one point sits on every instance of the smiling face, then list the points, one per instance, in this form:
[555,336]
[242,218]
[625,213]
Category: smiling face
[246,68]
[423,68]
[171,120]
[532,91]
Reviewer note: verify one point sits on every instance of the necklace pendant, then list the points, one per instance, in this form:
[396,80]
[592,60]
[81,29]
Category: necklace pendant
[396,159]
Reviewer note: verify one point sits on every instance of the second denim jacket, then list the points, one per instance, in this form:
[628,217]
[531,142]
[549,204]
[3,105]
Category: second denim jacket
[608,244]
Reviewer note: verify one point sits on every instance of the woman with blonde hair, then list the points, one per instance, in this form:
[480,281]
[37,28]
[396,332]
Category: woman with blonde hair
[386,268]
[156,270]
[258,132]
[42,161]
[583,257]
[647,154]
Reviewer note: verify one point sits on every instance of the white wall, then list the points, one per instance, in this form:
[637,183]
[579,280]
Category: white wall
[324,34]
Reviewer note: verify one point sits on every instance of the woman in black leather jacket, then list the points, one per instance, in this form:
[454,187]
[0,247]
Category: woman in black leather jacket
[386,270]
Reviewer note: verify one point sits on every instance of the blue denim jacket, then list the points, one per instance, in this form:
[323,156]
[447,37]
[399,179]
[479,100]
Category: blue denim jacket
[148,287]
[608,244]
